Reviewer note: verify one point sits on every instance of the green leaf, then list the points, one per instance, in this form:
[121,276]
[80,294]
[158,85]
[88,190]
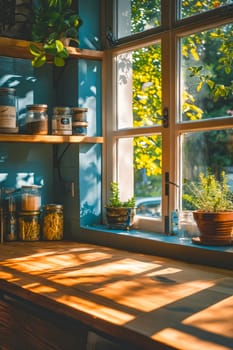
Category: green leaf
[39,61]
[35,50]
[58,61]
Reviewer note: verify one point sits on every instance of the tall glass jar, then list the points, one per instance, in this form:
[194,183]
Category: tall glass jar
[8,119]
[52,222]
[30,198]
[36,119]
[29,226]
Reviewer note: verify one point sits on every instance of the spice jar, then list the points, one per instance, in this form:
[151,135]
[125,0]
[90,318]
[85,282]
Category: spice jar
[10,218]
[62,121]
[52,222]
[29,226]
[79,114]
[36,119]
[8,120]
[30,198]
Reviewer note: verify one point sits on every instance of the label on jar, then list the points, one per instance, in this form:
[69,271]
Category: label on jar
[7,117]
[62,125]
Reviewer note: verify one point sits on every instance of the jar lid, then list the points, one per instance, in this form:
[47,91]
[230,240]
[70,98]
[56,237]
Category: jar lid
[53,206]
[31,186]
[62,110]
[37,107]
[80,124]
[79,110]
[7,91]
[29,213]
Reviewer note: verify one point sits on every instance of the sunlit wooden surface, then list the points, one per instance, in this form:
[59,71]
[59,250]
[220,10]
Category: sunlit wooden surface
[154,303]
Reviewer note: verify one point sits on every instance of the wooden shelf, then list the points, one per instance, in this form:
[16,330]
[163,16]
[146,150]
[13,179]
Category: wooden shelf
[50,138]
[20,49]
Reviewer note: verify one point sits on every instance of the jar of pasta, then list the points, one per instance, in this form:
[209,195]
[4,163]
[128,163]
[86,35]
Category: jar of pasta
[29,226]
[52,222]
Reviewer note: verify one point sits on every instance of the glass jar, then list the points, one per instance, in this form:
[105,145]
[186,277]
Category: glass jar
[8,120]
[30,198]
[52,222]
[36,119]
[62,121]
[9,218]
[79,128]
[79,114]
[29,226]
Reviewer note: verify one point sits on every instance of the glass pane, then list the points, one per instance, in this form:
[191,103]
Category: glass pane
[206,74]
[141,159]
[139,87]
[190,8]
[206,150]
[134,16]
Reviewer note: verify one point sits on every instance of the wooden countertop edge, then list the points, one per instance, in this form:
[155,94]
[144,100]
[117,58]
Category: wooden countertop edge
[95,324]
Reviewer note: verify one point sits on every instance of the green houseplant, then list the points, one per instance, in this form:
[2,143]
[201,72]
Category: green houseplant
[119,214]
[55,24]
[213,201]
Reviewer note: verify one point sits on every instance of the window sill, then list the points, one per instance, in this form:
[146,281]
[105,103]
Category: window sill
[160,245]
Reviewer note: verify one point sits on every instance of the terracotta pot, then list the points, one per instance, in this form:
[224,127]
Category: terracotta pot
[120,218]
[216,228]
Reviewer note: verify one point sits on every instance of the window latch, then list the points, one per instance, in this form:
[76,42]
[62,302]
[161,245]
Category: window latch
[165,117]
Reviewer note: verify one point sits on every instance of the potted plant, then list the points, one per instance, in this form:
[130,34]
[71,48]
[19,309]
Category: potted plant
[55,24]
[120,214]
[213,201]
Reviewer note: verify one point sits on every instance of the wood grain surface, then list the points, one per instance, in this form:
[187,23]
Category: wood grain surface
[146,301]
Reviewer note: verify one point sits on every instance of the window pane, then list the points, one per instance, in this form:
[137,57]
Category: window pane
[206,74]
[194,7]
[202,150]
[141,164]
[139,87]
[135,16]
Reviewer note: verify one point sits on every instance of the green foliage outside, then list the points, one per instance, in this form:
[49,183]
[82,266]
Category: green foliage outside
[207,59]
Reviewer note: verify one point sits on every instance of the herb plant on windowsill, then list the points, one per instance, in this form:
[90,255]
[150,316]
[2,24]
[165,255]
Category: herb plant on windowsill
[119,214]
[213,201]
[55,24]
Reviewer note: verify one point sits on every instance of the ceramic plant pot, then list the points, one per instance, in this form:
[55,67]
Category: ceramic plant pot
[216,228]
[120,218]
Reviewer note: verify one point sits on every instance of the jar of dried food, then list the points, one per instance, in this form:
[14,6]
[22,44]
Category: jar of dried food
[10,218]
[52,222]
[62,121]
[29,226]
[8,119]
[30,198]
[36,119]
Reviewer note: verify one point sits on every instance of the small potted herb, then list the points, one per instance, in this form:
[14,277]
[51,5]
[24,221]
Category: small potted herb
[213,201]
[55,24]
[119,214]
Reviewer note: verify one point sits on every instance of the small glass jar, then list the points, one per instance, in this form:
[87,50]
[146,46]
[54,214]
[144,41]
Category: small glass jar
[36,119]
[8,119]
[30,198]
[29,226]
[52,222]
[79,114]
[62,121]
[79,128]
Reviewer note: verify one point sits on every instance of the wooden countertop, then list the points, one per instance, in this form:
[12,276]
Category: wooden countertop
[153,302]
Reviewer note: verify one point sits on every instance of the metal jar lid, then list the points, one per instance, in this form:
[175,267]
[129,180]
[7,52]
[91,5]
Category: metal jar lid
[7,91]
[62,110]
[37,107]
[53,206]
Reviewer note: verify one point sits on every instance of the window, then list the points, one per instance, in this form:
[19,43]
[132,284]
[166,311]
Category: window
[172,111]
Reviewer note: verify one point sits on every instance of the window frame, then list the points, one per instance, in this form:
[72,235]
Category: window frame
[169,33]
